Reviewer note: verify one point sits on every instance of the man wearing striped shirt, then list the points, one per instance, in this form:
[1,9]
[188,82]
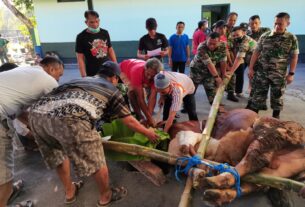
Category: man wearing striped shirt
[174,89]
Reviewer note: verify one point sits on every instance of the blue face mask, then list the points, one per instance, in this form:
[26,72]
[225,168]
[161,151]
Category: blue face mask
[94,30]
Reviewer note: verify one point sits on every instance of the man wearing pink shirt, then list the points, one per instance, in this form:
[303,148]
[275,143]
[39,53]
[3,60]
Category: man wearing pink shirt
[137,75]
[200,35]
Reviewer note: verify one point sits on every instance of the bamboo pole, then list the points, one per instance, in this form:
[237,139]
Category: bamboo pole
[276,182]
[206,135]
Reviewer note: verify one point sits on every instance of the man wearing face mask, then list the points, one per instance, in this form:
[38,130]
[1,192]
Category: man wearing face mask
[93,46]
[203,70]
[243,47]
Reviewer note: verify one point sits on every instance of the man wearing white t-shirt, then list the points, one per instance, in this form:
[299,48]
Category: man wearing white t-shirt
[175,88]
[19,88]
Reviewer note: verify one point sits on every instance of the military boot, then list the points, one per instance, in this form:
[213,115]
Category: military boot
[232,97]
[276,114]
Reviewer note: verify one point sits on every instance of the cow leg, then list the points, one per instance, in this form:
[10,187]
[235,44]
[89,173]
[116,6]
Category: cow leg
[254,160]
[219,197]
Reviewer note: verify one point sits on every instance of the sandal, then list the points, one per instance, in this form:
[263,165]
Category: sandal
[117,194]
[17,188]
[78,185]
[28,203]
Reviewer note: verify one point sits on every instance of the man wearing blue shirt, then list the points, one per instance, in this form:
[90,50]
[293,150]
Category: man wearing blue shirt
[179,49]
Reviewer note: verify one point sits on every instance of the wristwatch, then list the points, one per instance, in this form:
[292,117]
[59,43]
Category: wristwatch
[291,73]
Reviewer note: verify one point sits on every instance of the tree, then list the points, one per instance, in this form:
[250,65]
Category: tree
[12,6]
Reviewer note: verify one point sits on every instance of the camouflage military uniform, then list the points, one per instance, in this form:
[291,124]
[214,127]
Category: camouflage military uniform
[200,73]
[275,51]
[258,34]
[243,49]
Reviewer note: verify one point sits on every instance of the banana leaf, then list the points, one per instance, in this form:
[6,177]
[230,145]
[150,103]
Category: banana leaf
[121,133]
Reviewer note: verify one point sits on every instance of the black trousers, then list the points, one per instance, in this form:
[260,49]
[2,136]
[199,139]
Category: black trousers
[178,66]
[239,78]
[189,105]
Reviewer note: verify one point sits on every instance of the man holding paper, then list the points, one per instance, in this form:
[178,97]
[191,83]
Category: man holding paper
[152,44]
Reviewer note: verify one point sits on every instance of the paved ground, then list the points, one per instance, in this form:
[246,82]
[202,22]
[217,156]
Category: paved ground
[44,187]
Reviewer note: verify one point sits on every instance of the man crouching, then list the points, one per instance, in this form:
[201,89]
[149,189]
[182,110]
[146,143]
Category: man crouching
[63,124]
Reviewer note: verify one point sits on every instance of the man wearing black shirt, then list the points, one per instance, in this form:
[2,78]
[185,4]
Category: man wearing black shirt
[93,46]
[152,41]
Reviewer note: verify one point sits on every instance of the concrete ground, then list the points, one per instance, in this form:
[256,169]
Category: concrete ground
[45,189]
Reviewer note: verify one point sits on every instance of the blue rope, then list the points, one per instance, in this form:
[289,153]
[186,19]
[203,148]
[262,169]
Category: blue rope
[195,160]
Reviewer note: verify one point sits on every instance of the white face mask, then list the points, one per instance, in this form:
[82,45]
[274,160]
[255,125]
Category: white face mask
[94,30]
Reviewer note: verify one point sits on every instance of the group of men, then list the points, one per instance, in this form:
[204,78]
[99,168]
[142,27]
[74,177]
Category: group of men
[63,118]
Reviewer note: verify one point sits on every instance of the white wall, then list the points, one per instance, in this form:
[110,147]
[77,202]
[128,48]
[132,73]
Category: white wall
[59,22]
[125,19]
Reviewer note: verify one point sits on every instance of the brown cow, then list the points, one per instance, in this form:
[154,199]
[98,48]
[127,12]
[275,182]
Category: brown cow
[272,147]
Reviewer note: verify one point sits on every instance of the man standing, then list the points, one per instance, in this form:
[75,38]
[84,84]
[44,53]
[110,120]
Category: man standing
[211,53]
[231,21]
[3,50]
[63,124]
[175,88]
[93,46]
[153,44]
[19,88]
[256,30]
[138,75]
[243,47]
[200,34]
[275,50]
[179,49]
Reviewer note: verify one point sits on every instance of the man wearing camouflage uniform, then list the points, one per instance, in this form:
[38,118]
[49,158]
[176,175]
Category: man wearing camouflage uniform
[273,51]
[210,53]
[256,30]
[243,47]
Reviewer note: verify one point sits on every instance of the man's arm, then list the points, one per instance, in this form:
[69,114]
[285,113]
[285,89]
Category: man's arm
[188,52]
[152,100]
[112,55]
[223,68]
[170,120]
[293,66]
[164,52]
[170,62]
[133,124]
[214,73]
[236,64]
[143,106]
[81,64]
[253,60]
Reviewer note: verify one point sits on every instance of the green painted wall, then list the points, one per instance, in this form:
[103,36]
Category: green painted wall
[125,49]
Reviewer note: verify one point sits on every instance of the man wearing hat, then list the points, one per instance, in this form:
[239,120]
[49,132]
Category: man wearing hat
[200,34]
[243,47]
[63,124]
[174,89]
[152,41]
[209,65]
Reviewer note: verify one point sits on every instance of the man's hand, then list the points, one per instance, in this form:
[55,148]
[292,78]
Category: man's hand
[188,61]
[151,122]
[251,73]
[163,53]
[152,136]
[289,79]
[218,81]
[302,193]
[170,62]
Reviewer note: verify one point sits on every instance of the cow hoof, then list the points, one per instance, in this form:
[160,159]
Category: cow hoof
[217,197]
[223,180]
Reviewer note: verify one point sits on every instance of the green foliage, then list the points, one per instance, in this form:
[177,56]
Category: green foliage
[24,4]
[121,133]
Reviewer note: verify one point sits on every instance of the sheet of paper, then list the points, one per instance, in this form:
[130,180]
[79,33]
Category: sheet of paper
[152,53]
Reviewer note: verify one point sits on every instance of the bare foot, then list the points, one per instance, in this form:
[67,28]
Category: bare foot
[223,180]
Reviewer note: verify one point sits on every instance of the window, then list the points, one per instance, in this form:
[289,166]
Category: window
[213,13]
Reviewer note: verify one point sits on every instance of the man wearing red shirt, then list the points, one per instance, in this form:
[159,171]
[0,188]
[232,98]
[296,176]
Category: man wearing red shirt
[137,75]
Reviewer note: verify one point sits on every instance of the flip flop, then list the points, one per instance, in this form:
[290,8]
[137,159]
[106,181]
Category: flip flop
[17,188]
[117,194]
[78,185]
[28,203]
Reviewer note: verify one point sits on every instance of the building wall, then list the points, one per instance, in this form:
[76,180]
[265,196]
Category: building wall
[125,20]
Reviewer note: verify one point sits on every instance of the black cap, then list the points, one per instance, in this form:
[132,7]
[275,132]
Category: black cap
[151,23]
[244,26]
[220,23]
[111,66]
